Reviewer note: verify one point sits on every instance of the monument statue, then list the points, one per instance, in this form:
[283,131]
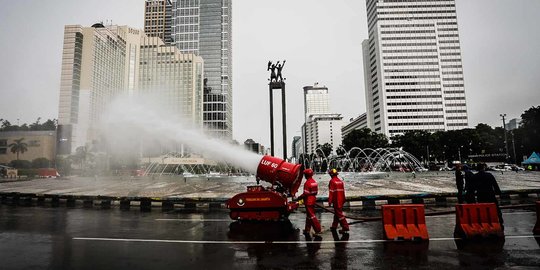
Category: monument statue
[275,77]
[279,68]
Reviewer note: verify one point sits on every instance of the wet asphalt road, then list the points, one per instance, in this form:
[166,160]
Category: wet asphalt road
[77,238]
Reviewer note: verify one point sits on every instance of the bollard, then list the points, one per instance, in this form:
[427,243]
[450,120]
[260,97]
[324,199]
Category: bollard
[25,201]
[190,205]
[88,203]
[70,202]
[167,205]
[55,201]
[214,205]
[417,200]
[146,205]
[536,230]
[477,220]
[440,201]
[105,204]
[368,205]
[40,200]
[393,201]
[404,222]
[125,204]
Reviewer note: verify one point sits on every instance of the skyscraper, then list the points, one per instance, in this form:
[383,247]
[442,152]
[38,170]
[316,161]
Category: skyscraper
[177,78]
[321,126]
[102,62]
[157,19]
[412,67]
[93,72]
[315,100]
[203,27]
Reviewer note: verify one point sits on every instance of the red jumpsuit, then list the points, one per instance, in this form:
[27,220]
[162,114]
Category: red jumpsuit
[336,198]
[310,197]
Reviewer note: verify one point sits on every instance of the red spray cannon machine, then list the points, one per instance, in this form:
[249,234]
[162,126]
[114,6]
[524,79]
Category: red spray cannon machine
[269,203]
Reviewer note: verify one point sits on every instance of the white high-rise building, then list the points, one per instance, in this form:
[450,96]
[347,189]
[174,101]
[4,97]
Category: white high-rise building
[102,62]
[412,67]
[316,100]
[94,62]
[321,129]
[321,126]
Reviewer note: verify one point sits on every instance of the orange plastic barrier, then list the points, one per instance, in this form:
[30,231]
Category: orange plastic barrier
[536,229]
[404,222]
[477,220]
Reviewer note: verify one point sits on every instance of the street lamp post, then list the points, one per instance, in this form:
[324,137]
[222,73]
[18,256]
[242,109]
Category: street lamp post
[505,140]
[513,147]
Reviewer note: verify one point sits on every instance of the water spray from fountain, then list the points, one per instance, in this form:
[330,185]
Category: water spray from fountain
[364,161]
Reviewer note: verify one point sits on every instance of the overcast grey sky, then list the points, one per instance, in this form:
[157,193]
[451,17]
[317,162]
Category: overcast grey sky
[321,41]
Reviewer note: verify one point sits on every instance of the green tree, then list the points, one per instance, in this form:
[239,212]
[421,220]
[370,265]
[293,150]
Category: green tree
[82,157]
[530,125]
[5,125]
[36,125]
[63,165]
[41,163]
[364,138]
[415,142]
[325,148]
[21,164]
[49,124]
[18,147]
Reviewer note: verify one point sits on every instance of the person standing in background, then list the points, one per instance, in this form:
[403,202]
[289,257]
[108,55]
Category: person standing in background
[487,188]
[459,183]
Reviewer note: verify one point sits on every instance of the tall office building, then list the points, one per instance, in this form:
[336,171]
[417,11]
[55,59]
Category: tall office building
[93,72]
[176,79]
[315,100]
[102,62]
[321,126]
[412,67]
[157,19]
[203,27]
[321,129]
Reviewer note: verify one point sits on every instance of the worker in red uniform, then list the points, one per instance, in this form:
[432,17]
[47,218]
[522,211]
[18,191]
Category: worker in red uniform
[310,197]
[336,198]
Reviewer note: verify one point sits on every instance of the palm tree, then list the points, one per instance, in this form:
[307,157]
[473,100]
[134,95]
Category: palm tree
[18,147]
[81,155]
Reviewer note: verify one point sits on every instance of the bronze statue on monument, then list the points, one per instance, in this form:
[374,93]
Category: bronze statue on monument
[276,77]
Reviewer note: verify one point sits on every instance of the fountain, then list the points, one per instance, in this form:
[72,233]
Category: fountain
[365,162]
[188,165]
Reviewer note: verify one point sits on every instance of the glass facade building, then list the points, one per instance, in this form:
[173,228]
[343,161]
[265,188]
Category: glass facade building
[157,19]
[203,27]
[412,67]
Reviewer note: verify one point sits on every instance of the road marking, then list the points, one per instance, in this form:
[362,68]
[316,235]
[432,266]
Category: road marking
[193,220]
[266,242]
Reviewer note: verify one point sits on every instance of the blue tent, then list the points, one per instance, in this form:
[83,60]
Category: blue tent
[534,159]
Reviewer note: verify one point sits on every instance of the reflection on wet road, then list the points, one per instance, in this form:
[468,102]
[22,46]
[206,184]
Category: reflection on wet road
[73,238]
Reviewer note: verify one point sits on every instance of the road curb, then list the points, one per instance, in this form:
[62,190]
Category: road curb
[508,197]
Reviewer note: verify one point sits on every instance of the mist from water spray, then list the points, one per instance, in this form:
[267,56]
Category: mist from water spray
[129,119]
